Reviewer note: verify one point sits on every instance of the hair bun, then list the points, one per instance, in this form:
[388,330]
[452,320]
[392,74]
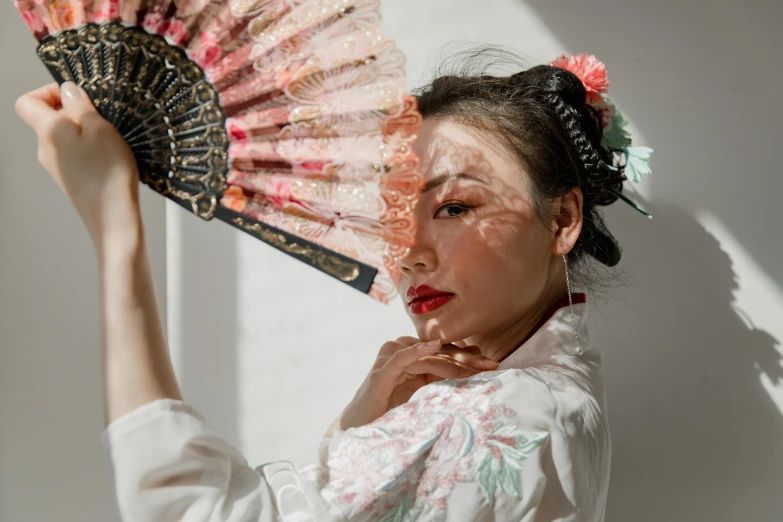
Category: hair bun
[554,80]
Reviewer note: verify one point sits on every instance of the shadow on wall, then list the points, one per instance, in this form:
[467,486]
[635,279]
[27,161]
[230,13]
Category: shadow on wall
[695,436]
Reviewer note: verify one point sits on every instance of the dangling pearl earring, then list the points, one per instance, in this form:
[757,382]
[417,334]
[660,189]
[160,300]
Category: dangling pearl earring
[578,350]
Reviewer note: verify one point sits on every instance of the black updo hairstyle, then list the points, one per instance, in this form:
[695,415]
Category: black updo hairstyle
[542,117]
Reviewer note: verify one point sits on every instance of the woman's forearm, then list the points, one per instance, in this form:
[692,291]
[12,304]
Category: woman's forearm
[137,367]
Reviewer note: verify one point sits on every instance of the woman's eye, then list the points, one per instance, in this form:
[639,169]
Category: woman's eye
[451,210]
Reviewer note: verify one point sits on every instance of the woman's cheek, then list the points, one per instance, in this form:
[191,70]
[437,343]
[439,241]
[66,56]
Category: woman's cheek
[459,242]
[500,232]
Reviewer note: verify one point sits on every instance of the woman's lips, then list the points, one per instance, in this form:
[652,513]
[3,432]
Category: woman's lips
[424,299]
[425,305]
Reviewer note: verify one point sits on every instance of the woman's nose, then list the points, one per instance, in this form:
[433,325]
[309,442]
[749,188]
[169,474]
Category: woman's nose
[421,256]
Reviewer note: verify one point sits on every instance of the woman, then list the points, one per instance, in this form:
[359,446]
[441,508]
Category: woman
[495,411]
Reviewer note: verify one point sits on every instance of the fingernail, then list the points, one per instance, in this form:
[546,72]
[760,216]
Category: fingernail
[432,343]
[71,91]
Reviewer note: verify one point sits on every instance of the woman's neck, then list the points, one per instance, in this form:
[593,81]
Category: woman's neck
[499,344]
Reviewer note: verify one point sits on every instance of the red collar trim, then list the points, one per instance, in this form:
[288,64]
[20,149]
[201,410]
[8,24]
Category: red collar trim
[560,303]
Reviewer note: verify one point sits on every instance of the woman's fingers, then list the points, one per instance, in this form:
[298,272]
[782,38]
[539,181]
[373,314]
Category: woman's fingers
[470,356]
[38,107]
[396,357]
[400,359]
[77,104]
[48,94]
[390,348]
[441,367]
[433,359]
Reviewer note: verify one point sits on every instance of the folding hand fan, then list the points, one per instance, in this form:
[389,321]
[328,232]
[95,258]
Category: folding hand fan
[287,119]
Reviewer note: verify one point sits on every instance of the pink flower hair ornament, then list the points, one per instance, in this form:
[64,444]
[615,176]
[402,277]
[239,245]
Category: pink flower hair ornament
[589,69]
[616,139]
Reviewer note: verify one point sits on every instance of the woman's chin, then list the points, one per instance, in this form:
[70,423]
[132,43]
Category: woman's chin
[437,325]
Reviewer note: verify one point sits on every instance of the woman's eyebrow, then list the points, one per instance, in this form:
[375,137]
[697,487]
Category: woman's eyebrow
[445,178]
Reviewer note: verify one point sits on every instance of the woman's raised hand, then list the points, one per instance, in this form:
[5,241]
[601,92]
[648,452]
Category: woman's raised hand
[85,155]
[402,367]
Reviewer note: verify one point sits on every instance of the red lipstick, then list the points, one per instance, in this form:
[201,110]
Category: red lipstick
[424,299]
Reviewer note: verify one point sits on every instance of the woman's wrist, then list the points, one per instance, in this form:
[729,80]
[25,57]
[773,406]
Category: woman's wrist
[119,235]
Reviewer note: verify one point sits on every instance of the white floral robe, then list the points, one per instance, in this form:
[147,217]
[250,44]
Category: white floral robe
[529,441]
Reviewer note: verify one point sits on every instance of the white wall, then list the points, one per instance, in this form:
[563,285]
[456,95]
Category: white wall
[270,350]
[51,463]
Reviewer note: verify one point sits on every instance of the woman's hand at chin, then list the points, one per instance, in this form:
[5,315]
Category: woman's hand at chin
[86,156]
[402,367]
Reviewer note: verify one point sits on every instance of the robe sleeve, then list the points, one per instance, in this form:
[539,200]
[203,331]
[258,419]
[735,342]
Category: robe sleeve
[454,450]
[168,465]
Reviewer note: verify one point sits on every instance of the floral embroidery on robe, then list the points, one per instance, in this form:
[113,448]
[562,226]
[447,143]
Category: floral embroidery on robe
[405,464]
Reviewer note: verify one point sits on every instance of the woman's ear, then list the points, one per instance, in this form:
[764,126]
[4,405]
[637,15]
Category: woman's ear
[567,210]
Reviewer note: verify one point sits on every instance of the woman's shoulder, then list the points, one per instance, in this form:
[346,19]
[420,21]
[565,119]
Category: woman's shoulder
[570,388]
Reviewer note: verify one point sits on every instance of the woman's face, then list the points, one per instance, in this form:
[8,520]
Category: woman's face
[482,258]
